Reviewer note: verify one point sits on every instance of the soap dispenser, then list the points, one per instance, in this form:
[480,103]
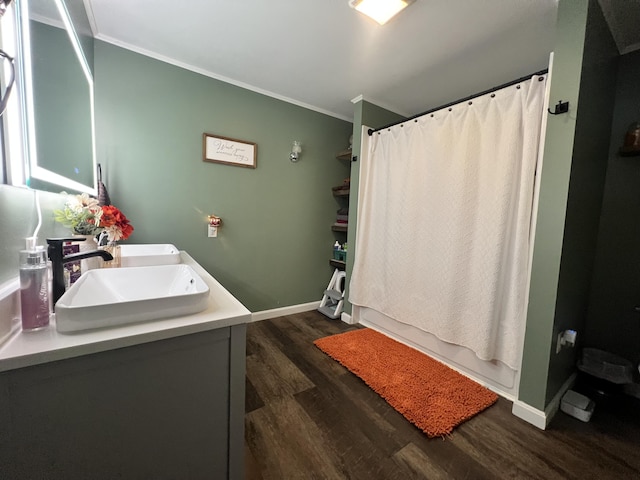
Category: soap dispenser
[34,286]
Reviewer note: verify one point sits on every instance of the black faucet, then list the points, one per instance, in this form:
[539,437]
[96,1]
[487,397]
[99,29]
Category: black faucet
[58,259]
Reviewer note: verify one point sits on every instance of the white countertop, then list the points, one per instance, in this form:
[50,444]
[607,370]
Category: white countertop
[24,349]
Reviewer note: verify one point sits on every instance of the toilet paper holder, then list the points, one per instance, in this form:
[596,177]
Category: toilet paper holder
[566,338]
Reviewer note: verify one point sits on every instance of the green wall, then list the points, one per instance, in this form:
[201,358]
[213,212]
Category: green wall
[373,116]
[273,248]
[572,185]
[586,187]
[554,189]
[613,323]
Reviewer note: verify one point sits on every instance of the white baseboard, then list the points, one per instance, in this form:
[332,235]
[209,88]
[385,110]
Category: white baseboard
[280,312]
[531,415]
[554,404]
[346,318]
[539,418]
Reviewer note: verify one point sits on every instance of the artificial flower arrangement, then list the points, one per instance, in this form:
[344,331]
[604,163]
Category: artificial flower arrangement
[84,216]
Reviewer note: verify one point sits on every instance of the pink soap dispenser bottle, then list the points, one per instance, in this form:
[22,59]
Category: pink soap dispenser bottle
[34,287]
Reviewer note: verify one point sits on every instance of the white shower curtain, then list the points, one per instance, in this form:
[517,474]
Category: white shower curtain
[444,212]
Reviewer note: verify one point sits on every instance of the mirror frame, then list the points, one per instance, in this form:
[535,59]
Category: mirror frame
[32,168]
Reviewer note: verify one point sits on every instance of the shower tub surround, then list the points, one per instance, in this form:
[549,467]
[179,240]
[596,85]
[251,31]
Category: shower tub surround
[494,375]
[157,399]
[457,288]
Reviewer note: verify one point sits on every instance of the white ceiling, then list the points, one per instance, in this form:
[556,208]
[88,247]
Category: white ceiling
[321,53]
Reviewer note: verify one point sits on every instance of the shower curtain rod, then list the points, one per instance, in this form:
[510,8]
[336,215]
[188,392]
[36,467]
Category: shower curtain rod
[371,131]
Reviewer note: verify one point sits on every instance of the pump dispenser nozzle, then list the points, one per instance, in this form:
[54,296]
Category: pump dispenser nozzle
[30,243]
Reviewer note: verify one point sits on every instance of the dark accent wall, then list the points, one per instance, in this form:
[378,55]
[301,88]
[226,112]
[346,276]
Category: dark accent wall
[553,200]
[586,186]
[613,324]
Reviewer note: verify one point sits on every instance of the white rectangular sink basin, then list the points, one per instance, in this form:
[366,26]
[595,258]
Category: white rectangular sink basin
[117,296]
[141,255]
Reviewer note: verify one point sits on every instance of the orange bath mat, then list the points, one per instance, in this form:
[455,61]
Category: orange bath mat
[428,393]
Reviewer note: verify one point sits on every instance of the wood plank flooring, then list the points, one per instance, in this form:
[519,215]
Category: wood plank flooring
[307,417]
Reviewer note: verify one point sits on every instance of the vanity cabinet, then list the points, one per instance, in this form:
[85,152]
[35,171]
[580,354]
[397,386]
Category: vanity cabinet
[166,409]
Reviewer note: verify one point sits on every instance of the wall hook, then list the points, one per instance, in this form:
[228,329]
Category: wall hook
[561,107]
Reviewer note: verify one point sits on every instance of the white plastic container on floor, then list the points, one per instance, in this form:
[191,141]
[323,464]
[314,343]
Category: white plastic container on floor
[577,405]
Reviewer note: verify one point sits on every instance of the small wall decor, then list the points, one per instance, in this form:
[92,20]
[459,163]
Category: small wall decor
[631,146]
[214,223]
[230,151]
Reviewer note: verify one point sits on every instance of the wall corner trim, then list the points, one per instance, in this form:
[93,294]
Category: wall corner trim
[531,415]
[346,318]
[282,311]
[539,418]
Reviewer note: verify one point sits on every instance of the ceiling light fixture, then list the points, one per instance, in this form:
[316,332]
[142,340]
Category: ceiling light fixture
[380,10]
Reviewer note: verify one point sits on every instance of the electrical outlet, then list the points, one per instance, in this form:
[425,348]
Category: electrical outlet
[212,231]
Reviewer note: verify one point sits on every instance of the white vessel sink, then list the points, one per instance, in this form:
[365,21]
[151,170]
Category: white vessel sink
[118,296]
[141,255]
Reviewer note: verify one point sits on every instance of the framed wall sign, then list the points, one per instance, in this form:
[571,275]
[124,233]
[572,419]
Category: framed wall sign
[217,149]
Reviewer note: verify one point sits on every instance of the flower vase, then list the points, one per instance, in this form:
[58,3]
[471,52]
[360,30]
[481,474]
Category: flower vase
[87,245]
[114,249]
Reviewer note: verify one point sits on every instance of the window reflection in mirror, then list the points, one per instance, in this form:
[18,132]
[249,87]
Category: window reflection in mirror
[58,98]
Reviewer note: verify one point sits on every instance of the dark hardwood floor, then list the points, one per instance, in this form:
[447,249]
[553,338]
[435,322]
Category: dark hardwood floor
[307,417]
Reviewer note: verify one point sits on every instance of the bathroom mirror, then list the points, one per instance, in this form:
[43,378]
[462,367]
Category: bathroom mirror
[57,86]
